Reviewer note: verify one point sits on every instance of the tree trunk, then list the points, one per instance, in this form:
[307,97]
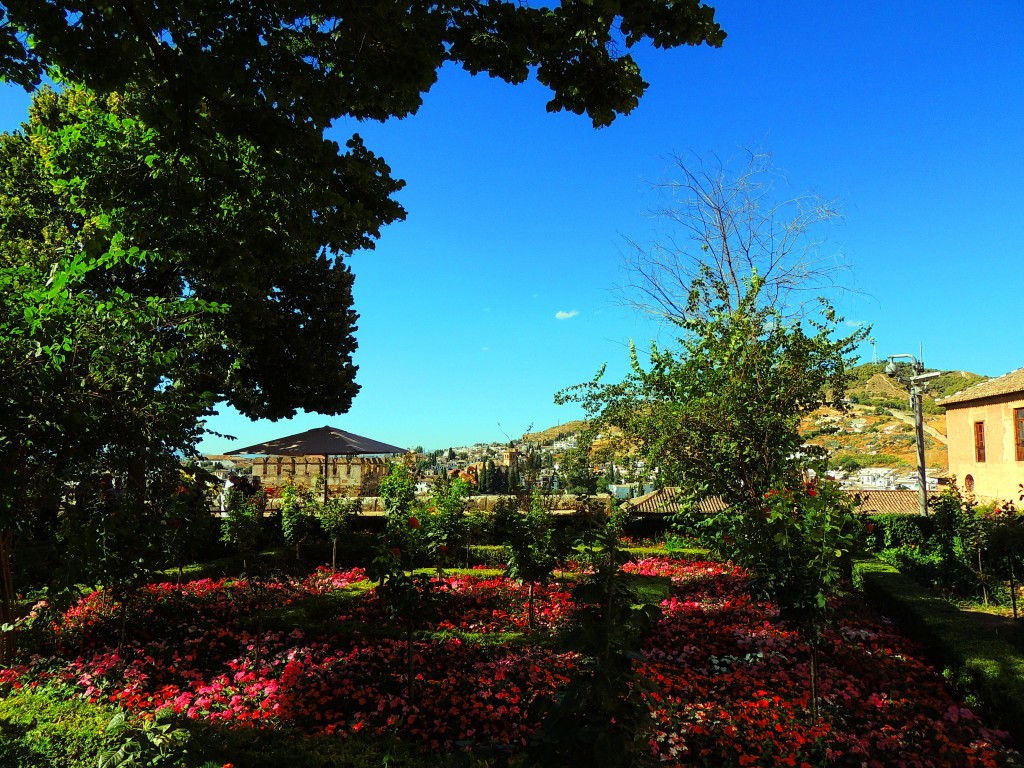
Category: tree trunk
[123,614]
[1013,590]
[8,640]
[411,671]
[529,605]
[981,577]
[814,681]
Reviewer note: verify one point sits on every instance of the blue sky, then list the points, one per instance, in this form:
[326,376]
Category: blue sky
[909,113]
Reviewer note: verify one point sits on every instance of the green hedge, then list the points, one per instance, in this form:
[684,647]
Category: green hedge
[682,553]
[490,555]
[983,659]
[895,529]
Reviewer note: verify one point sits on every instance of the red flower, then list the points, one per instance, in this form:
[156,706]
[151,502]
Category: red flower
[812,492]
[396,551]
[414,522]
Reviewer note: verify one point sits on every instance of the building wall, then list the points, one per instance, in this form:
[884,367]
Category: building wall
[346,475]
[1000,475]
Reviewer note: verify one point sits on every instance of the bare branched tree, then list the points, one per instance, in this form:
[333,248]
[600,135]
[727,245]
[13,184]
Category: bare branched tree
[728,234]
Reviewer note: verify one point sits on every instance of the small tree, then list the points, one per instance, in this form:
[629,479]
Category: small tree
[335,517]
[576,468]
[406,595]
[601,717]
[299,509]
[397,489]
[240,527]
[962,537]
[124,546]
[532,547]
[719,413]
[796,546]
[1005,528]
[188,526]
[445,521]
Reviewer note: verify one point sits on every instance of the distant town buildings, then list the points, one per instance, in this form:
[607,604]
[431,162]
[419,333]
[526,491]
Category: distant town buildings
[885,479]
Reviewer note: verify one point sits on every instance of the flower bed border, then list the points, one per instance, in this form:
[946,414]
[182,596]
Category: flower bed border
[975,658]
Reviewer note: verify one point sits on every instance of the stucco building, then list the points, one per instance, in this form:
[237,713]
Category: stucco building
[985,430]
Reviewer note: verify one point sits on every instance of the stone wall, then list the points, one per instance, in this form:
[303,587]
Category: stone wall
[346,475]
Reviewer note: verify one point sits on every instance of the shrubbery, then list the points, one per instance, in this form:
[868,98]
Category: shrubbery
[969,551]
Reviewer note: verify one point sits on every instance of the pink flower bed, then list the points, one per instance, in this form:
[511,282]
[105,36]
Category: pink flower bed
[731,681]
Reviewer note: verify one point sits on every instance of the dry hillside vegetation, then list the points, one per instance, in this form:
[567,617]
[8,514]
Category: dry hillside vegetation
[549,435]
[874,439]
[876,430]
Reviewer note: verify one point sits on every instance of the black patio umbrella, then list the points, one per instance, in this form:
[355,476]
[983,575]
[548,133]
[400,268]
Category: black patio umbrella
[323,441]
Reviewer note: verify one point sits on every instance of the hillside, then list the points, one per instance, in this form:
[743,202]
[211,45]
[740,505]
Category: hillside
[868,385]
[873,436]
[549,435]
[876,430]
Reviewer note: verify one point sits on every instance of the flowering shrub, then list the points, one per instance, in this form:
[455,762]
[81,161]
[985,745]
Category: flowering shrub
[728,681]
[324,579]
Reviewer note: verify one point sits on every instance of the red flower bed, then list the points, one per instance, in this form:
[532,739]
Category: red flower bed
[731,682]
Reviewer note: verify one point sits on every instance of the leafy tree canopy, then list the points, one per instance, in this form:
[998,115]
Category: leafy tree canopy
[720,414]
[247,62]
[220,222]
[190,150]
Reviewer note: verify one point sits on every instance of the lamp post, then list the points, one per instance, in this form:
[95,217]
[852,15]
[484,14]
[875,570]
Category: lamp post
[916,401]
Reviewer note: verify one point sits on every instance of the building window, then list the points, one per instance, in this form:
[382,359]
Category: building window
[979,441]
[1018,432]
[969,483]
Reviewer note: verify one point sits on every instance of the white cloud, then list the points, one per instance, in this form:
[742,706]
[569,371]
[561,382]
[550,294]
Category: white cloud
[563,315]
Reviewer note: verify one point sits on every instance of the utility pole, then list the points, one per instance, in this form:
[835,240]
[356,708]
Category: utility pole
[917,387]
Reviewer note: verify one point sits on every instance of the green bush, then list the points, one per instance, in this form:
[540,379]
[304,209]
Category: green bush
[50,726]
[689,551]
[892,530]
[490,555]
[923,565]
[888,460]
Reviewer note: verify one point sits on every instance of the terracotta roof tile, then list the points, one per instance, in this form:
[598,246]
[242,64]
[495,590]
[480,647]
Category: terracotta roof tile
[664,502]
[879,502]
[1006,384]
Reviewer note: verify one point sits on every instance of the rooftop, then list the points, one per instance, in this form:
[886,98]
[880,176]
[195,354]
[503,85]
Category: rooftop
[877,502]
[664,502]
[1007,384]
